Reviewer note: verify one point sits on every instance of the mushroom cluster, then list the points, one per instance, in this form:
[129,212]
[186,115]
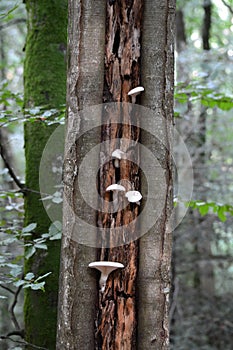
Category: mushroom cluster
[106,267]
[132,196]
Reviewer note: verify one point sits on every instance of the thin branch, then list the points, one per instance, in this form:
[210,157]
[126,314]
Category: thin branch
[174,300]
[11,309]
[228,6]
[7,288]
[22,342]
[12,23]
[7,164]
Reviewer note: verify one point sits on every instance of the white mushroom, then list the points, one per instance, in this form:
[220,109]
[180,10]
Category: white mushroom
[133,196]
[105,267]
[115,188]
[117,154]
[134,92]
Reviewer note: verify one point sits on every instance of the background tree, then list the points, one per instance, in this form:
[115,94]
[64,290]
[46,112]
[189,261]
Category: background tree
[44,86]
[197,261]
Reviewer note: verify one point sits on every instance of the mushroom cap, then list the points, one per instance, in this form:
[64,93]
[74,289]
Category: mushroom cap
[117,153]
[133,196]
[106,267]
[115,187]
[136,91]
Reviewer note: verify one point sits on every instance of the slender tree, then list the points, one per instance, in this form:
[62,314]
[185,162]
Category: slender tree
[103,67]
[44,85]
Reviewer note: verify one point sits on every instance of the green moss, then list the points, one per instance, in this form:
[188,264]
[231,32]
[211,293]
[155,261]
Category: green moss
[45,63]
[45,84]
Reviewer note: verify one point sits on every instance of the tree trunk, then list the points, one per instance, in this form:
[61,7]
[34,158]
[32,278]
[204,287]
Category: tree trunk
[155,246]
[207,6]
[108,320]
[44,84]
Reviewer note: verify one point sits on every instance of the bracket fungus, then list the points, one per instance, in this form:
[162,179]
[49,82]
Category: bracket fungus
[134,92]
[115,188]
[105,267]
[117,154]
[133,196]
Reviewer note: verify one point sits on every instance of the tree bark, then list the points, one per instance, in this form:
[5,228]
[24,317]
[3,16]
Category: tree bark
[44,85]
[77,292]
[155,246]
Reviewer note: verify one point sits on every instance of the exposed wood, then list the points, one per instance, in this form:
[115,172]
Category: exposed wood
[116,320]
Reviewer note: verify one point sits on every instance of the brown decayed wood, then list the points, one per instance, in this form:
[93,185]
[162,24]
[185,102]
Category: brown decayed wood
[116,319]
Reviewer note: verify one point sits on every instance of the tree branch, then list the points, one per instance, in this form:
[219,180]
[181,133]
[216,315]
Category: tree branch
[6,288]
[228,6]
[15,300]
[12,23]
[22,342]
[13,317]
[8,165]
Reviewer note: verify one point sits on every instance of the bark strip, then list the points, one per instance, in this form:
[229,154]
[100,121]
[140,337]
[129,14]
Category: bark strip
[77,292]
[155,246]
[116,319]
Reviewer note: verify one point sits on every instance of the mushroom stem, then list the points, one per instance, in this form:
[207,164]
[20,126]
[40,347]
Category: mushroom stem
[102,281]
[115,201]
[133,99]
[116,163]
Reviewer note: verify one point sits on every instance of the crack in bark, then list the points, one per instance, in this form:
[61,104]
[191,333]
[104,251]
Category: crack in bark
[117,307]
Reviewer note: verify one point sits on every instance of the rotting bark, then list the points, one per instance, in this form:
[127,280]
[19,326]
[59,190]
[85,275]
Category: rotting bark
[116,320]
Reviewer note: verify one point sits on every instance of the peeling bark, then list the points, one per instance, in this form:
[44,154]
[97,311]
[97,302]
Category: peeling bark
[116,320]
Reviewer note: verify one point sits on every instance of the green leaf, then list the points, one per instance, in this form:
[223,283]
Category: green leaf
[44,276]
[35,286]
[29,252]
[16,270]
[221,214]
[19,283]
[29,228]
[55,230]
[29,276]
[41,246]
[203,210]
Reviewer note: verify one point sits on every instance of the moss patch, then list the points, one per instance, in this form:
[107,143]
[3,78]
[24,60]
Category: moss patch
[45,85]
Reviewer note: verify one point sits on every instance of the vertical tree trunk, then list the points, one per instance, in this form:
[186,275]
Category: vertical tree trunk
[180,31]
[116,316]
[207,6]
[155,246]
[45,85]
